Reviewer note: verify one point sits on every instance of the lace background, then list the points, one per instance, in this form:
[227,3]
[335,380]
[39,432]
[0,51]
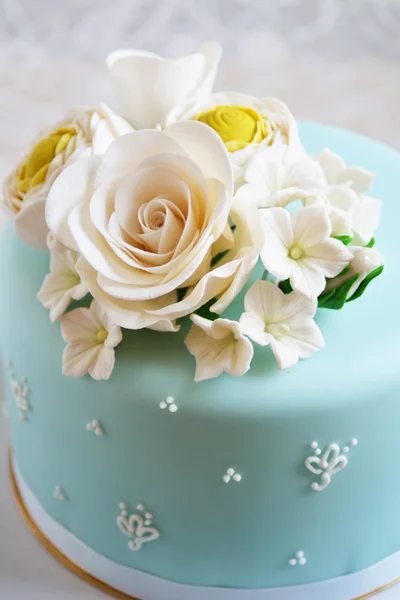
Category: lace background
[336,61]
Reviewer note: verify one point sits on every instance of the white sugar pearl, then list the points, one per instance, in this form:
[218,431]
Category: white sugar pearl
[98,431]
[170,399]
[292,562]
[148,515]
[230,472]
[314,445]
[124,513]
[173,408]
[302,561]
[147,522]
[226,478]
[122,505]
[314,486]
[318,451]
[237,477]
[299,554]
[346,449]
[354,442]
[163,404]
[140,507]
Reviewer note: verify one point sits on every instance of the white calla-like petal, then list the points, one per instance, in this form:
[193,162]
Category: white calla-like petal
[149,86]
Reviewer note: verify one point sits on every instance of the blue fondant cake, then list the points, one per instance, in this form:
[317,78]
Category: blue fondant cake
[275,485]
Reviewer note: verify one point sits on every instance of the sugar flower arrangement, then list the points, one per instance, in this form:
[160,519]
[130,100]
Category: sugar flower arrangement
[163,213]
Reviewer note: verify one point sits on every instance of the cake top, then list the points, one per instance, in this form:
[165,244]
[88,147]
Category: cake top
[167,213]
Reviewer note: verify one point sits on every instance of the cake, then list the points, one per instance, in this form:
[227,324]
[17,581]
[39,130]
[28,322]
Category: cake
[202,400]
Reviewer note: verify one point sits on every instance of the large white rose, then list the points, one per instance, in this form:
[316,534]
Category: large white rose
[83,131]
[149,86]
[150,219]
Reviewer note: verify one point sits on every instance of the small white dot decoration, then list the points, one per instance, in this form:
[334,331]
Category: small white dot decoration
[169,403]
[21,393]
[314,445]
[59,493]
[346,449]
[318,451]
[354,442]
[299,559]
[140,507]
[96,427]
[231,475]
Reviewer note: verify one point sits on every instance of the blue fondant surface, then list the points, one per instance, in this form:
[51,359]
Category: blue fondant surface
[213,533]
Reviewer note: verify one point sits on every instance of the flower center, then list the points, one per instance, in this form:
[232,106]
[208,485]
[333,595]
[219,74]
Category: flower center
[102,336]
[296,252]
[238,126]
[34,170]
[157,220]
[277,329]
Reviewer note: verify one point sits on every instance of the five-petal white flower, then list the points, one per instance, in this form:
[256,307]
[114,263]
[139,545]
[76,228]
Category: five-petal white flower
[63,283]
[337,172]
[278,174]
[149,86]
[346,191]
[299,247]
[218,346]
[91,337]
[284,322]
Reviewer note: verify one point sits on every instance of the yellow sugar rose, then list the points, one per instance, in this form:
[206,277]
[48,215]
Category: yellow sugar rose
[83,131]
[238,126]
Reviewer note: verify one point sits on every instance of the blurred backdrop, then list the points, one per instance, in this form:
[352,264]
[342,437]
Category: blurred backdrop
[336,61]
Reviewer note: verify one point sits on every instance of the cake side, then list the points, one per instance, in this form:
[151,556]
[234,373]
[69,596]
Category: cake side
[170,444]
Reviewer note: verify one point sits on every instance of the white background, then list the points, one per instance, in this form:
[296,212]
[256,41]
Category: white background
[336,61]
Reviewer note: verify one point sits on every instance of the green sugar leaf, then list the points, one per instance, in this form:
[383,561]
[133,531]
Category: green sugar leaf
[371,243]
[336,298]
[345,239]
[285,286]
[363,286]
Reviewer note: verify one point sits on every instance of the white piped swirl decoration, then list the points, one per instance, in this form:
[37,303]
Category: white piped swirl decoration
[137,526]
[327,464]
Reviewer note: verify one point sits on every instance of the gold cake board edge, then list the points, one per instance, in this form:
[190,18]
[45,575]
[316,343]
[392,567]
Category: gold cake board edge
[104,587]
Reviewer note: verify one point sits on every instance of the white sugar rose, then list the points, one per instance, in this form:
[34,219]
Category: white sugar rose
[149,86]
[83,131]
[150,219]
